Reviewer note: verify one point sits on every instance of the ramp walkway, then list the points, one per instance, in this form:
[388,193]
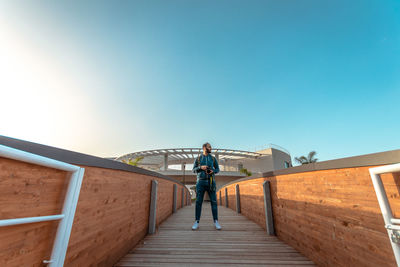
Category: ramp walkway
[241,242]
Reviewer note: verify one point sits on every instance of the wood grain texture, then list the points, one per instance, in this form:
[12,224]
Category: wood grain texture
[331,216]
[241,242]
[28,190]
[111,216]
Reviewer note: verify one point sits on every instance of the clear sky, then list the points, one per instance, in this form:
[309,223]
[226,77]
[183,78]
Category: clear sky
[109,78]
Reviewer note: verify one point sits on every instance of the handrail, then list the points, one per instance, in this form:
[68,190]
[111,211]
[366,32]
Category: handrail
[392,230]
[76,158]
[70,202]
[9,222]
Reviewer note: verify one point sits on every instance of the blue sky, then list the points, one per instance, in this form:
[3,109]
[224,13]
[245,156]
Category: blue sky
[112,77]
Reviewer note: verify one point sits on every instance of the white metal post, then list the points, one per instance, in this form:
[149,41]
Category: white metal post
[65,225]
[392,230]
[70,202]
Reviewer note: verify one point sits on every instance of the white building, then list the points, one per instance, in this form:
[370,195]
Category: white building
[178,162]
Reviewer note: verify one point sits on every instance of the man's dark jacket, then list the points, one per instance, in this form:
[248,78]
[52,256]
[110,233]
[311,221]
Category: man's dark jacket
[208,160]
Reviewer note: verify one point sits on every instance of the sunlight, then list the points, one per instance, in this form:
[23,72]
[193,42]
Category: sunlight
[41,96]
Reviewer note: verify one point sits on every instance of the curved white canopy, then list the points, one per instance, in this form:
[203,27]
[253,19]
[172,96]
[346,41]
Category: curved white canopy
[185,155]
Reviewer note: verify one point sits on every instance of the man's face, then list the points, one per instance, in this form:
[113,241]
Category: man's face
[208,148]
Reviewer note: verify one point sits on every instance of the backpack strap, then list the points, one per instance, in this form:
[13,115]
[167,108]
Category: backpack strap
[198,159]
[212,175]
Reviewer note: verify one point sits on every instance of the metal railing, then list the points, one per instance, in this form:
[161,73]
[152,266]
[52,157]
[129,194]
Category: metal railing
[270,145]
[392,224]
[66,218]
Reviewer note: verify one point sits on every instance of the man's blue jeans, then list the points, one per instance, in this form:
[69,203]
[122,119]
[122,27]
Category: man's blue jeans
[201,187]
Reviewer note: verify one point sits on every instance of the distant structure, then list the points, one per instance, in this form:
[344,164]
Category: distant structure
[178,162]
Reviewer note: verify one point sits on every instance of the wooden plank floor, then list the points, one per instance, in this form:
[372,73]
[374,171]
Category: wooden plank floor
[241,242]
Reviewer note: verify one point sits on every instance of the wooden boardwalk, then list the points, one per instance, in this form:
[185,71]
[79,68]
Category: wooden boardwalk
[241,242]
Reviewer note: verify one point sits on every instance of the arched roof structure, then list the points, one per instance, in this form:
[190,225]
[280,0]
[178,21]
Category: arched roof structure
[156,158]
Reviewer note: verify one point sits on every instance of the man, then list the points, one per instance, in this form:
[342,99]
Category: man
[206,166]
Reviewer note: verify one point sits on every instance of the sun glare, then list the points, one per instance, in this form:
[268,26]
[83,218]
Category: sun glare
[39,98]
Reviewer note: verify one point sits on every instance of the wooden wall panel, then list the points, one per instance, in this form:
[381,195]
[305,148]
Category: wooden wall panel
[28,190]
[231,197]
[164,200]
[252,200]
[111,216]
[331,216]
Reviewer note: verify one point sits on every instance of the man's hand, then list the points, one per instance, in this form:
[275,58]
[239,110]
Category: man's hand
[204,167]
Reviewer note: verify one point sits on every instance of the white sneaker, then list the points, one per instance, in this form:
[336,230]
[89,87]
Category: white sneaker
[217,226]
[195,225]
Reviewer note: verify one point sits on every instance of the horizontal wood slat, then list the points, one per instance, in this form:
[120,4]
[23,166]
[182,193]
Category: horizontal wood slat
[331,216]
[111,216]
[241,242]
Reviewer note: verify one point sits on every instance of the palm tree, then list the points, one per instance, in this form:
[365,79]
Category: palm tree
[133,162]
[245,171]
[306,160]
